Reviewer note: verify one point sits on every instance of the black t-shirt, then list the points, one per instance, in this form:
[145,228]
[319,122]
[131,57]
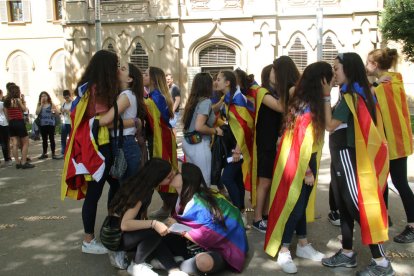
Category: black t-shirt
[267,128]
[175,92]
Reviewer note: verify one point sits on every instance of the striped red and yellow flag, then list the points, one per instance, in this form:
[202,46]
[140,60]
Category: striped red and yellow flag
[392,101]
[241,122]
[292,160]
[255,94]
[372,163]
[164,142]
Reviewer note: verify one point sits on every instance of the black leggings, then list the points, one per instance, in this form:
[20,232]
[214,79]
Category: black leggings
[48,132]
[5,142]
[146,243]
[94,192]
[344,186]
[398,172]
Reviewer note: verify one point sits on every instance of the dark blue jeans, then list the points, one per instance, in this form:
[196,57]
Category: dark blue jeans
[232,178]
[64,133]
[132,153]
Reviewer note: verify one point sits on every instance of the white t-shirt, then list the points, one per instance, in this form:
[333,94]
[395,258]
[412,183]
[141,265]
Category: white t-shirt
[129,113]
[3,119]
[66,117]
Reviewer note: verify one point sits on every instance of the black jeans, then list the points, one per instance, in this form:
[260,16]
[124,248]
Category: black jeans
[94,192]
[48,132]
[146,243]
[5,142]
[232,178]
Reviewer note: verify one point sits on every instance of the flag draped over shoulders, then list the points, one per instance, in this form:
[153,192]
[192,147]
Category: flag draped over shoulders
[241,121]
[164,142]
[292,160]
[372,164]
[230,242]
[392,101]
[82,161]
[255,94]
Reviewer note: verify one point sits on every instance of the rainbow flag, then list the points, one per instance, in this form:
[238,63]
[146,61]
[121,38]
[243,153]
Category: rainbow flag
[392,101]
[230,242]
[372,163]
[164,143]
[241,122]
[83,162]
[255,94]
[292,160]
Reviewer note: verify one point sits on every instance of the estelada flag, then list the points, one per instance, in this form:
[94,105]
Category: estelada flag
[255,95]
[241,122]
[392,101]
[164,142]
[82,160]
[292,160]
[372,164]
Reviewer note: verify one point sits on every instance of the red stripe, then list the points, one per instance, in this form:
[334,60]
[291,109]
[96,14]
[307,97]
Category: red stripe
[363,219]
[289,172]
[388,92]
[364,118]
[406,115]
[248,134]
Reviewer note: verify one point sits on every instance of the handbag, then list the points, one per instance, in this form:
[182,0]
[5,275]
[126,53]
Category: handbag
[193,137]
[120,165]
[37,120]
[111,233]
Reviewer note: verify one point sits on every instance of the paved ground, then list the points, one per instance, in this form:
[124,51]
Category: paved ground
[41,235]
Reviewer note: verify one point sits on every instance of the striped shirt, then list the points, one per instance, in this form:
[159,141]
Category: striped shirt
[14,113]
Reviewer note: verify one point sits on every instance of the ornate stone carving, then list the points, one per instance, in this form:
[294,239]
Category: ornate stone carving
[125,8]
[216,4]
[297,3]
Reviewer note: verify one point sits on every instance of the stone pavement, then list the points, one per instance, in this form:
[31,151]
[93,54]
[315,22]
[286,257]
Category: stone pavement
[41,235]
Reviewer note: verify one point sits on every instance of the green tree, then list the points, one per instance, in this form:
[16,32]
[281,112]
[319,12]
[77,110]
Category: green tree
[397,23]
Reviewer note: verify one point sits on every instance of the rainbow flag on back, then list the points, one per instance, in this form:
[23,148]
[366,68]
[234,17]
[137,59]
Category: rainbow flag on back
[164,143]
[372,163]
[230,242]
[292,160]
[241,122]
[394,108]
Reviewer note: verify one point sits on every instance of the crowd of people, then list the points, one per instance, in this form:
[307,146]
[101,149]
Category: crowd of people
[265,139]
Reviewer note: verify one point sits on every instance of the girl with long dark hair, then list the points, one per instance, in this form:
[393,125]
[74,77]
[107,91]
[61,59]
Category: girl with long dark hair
[46,110]
[296,168]
[359,166]
[198,121]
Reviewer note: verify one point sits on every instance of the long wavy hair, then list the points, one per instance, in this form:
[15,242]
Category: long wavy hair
[13,92]
[243,80]
[102,71]
[265,78]
[158,81]
[309,93]
[193,183]
[140,186]
[231,77]
[355,72]
[202,87]
[137,87]
[49,99]
[287,74]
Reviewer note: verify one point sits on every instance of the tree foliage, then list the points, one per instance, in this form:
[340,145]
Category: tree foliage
[397,23]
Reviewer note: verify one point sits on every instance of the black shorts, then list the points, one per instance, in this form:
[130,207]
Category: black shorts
[265,163]
[17,128]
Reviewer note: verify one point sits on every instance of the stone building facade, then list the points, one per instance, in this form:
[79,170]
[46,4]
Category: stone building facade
[184,37]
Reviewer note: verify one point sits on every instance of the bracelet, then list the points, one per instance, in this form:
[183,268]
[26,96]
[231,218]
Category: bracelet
[327,99]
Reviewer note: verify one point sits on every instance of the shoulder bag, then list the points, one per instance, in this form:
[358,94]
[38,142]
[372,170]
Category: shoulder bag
[120,165]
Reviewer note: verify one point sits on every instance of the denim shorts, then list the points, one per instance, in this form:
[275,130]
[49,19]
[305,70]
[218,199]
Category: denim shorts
[132,154]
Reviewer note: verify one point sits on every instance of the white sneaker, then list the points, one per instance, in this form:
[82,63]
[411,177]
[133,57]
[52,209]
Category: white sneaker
[177,273]
[9,163]
[93,247]
[308,252]
[285,261]
[160,213]
[117,259]
[143,269]
[155,263]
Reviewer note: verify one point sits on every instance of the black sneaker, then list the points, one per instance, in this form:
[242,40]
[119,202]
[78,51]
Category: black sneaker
[407,236]
[376,270]
[57,157]
[340,259]
[27,166]
[43,156]
[334,218]
[260,226]
[18,166]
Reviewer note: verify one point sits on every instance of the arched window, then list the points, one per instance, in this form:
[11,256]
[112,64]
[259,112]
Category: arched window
[58,70]
[111,48]
[329,51]
[139,57]
[217,57]
[299,54]
[19,72]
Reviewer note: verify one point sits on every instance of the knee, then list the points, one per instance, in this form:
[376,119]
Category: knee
[204,262]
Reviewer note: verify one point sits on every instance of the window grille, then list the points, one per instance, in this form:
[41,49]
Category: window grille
[329,51]
[139,57]
[19,71]
[16,11]
[299,54]
[217,55]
